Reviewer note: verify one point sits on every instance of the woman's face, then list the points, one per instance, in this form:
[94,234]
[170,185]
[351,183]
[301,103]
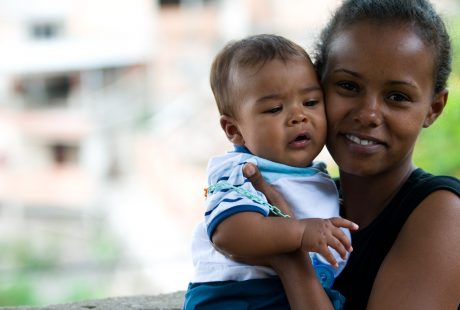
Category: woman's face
[378,85]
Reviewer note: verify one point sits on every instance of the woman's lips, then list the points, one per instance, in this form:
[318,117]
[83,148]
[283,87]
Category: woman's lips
[361,141]
[363,144]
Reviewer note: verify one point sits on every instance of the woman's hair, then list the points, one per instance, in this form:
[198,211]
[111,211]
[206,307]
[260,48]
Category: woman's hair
[419,14]
[253,51]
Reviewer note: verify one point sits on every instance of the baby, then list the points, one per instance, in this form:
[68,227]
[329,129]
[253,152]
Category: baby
[272,110]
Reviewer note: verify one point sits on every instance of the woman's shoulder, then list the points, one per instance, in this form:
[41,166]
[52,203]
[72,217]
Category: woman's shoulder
[412,195]
[433,224]
[425,193]
[422,184]
[425,250]
[429,180]
[432,231]
[439,194]
[439,201]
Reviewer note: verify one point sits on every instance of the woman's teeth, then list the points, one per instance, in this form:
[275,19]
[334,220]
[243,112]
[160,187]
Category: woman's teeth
[359,141]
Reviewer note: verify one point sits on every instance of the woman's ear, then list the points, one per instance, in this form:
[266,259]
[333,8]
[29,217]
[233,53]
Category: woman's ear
[230,127]
[437,106]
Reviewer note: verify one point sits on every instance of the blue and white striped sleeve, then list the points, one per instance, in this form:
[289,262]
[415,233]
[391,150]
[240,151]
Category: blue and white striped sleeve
[226,202]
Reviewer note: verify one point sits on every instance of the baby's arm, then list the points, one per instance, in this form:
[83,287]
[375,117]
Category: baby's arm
[250,234]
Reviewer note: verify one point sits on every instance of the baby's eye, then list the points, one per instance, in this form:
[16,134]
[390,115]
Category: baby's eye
[310,103]
[274,110]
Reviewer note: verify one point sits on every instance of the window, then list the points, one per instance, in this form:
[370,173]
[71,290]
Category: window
[45,30]
[166,3]
[169,2]
[46,90]
[63,154]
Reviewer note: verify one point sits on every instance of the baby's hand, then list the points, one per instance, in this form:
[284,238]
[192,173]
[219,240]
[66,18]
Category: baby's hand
[319,233]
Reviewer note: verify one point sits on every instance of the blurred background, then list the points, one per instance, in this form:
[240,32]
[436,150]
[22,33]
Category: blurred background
[106,125]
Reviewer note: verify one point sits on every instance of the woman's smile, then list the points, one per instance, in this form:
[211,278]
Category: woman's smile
[359,144]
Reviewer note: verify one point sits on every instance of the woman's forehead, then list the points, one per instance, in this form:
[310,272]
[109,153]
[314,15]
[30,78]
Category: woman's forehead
[388,42]
[389,52]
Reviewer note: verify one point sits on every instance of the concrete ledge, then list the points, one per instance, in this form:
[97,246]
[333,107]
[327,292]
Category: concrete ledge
[172,301]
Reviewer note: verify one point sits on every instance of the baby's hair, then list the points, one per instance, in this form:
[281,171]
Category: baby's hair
[252,51]
[419,14]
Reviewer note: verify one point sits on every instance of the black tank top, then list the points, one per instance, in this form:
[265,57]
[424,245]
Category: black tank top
[372,243]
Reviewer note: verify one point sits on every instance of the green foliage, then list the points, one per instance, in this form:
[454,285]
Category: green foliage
[18,292]
[106,249]
[84,290]
[16,288]
[437,148]
[25,263]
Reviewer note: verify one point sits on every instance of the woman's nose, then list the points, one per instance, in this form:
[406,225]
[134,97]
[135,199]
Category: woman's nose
[369,114]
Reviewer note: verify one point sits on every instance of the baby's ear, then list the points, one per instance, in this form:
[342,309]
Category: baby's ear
[437,106]
[230,127]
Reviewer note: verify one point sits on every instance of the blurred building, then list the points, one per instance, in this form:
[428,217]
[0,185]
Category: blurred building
[73,75]
[70,73]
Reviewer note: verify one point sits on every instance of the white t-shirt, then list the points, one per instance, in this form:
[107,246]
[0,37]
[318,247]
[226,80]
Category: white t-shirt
[310,192]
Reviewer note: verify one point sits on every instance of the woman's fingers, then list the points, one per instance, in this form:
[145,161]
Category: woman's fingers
[251,172]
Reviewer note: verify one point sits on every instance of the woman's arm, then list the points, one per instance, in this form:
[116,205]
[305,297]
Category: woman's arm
[422,270]
[300,282]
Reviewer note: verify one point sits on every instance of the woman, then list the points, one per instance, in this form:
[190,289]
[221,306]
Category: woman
[384,66]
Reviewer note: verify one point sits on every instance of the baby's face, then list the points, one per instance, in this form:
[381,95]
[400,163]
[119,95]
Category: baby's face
[281,111]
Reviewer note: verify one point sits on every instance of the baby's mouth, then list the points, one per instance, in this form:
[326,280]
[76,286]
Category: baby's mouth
[300,139]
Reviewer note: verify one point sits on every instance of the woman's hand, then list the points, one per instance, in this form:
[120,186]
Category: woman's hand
[251,172]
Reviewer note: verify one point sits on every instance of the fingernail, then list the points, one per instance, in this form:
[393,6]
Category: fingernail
[249,170]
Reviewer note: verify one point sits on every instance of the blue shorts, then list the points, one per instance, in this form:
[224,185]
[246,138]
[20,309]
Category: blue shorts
[236,295]
[244,295]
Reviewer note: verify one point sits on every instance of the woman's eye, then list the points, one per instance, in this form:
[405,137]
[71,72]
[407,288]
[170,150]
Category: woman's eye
[348,86]
[310,103]
[398,97]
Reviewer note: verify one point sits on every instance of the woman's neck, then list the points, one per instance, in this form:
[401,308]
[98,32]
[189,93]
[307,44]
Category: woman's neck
[364,197]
